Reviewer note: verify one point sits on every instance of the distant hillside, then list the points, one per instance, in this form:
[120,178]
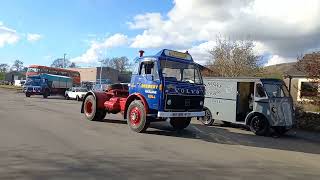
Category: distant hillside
[279,70]
[285,67]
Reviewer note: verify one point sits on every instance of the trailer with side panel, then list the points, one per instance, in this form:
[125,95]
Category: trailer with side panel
[166,86]
[47,85]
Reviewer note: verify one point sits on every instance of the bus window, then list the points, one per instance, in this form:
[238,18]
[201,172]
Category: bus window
[43,70]
[33,70]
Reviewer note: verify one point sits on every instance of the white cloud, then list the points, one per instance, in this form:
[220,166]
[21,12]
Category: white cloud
[276,59]
[98,49]
[7,35]
[200,53]
[283,29]
[33,37]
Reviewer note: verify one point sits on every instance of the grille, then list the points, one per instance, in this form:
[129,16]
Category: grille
[184,103]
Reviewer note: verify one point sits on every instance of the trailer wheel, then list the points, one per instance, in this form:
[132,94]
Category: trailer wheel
[207,118]
[259,125]
[28,94]
[136,117]
[180,123]
[45,93]
[90,110]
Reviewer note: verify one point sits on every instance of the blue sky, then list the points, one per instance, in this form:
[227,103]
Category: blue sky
[68,26]
[38,31]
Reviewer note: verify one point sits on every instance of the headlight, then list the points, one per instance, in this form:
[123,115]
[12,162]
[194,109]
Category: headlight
[201,103]
[169,102]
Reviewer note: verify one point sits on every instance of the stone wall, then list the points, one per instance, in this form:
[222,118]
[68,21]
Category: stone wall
[307,120]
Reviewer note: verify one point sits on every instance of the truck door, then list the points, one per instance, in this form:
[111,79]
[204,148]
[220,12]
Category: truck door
[280,104]
[147,83]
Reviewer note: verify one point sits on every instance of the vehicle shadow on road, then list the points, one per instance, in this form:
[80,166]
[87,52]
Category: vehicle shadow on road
[234,135]
[239,135]
[294,140]
[114,121]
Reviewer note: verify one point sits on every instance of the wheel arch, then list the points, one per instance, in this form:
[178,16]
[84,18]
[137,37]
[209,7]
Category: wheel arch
[88,94]
[132,97]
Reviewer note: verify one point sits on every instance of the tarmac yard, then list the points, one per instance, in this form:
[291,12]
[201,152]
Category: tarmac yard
[50,139]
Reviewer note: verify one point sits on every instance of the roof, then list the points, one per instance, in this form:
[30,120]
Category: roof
[243,79]
[53,68]
[293,71]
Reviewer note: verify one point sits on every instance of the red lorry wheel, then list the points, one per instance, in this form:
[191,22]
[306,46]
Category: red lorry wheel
[90,109]
[136,117]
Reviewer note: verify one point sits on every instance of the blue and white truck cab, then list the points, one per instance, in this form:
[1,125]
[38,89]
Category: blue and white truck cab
[172,85]
[166,86]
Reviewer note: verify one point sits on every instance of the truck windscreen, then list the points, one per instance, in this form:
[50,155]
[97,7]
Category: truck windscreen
[181,72]
[32,82]
[276,90]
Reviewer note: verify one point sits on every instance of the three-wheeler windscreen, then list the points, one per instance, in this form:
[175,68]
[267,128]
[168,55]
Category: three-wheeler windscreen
[276,90]
[180,72]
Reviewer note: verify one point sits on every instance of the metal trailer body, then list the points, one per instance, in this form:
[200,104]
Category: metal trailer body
[239,100]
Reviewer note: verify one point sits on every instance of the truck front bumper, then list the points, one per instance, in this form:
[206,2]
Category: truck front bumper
[180,114]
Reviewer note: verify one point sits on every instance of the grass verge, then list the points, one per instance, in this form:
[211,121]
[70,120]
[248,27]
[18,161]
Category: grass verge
[11,87]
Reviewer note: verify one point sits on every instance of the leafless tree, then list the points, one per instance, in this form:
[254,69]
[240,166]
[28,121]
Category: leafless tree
[119,63]
[233,58]
[4,68]
[17,65]
[61,63]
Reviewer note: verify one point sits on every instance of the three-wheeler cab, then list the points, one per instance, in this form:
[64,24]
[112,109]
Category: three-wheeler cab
[166,86]
[261,104]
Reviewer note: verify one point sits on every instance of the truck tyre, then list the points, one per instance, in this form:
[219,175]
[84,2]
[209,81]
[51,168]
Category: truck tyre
[28,94]
[207,118]
[259,125]
[90,110]
[67,97]
[180,123]
[137,117]
[46,93]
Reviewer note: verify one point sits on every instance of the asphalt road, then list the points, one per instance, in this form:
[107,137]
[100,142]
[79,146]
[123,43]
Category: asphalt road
[49,139]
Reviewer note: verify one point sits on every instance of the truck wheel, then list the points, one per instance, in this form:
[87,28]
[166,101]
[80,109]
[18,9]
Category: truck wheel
[136,117]
[207,118]
[259,125]
[28,94]
[180,123]
[90,110]
[45,93]
[77,98]
[67,97]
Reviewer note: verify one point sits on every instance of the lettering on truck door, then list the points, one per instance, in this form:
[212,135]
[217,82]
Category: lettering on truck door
[149,83]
